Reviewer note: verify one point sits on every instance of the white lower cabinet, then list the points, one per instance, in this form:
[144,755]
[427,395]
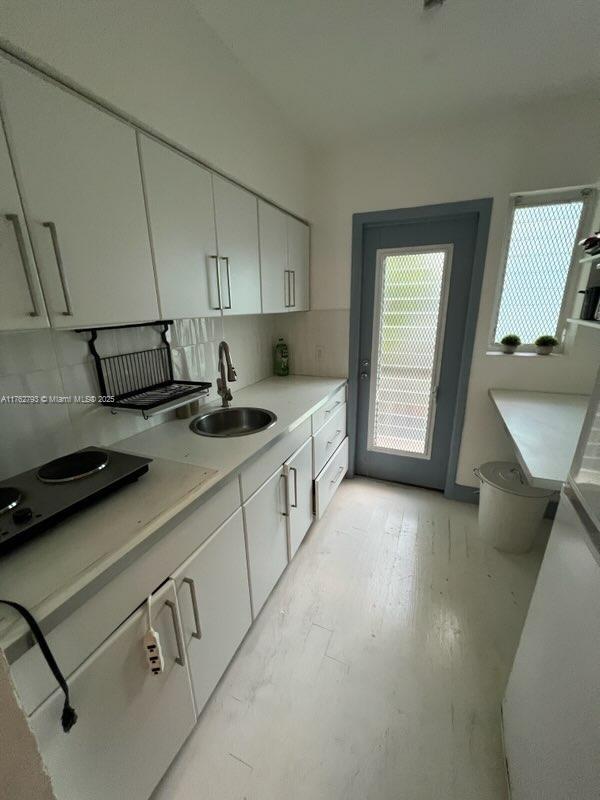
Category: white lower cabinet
[214,598]
[130,723]
[266,529]
[298,474]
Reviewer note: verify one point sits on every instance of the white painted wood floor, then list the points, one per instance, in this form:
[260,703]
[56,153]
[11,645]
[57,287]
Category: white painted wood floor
[377,667]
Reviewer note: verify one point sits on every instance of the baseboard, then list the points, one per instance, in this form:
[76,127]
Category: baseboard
[466,494]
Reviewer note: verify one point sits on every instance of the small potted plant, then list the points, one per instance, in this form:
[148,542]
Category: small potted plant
[510,342]
[545,345]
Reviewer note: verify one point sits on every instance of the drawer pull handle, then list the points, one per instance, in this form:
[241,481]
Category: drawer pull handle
[335,436]
[16,223]
[334,406]
[197,634]
[177,625]
[337,474]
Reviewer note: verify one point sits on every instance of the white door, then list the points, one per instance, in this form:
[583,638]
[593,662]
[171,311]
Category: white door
[21,301]
[237,236]
[130,723]
[298,474]
[266,530]
[181,218]
[214,597]
[298,264]
[79,172]
[274,281]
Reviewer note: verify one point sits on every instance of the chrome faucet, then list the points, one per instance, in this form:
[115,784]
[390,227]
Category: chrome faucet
[225,360]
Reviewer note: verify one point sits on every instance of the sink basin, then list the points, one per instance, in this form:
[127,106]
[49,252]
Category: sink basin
[225,422]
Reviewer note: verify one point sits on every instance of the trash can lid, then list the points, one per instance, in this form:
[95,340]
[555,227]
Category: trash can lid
[508,476]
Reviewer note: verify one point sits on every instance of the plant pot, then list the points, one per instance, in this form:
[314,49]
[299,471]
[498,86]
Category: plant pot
[509,349]
[544,350]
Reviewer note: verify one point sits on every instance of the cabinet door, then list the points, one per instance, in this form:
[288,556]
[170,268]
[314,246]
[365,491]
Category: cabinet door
[130,724]
[298,473]
[272,225]
[298,263]
[266,530]
[214,597]
[79,172]
[181,218]
[21,301]
[237,237]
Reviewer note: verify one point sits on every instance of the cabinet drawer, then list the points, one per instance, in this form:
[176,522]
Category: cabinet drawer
[131,723]
[330,478]
[323,414]
[328,438]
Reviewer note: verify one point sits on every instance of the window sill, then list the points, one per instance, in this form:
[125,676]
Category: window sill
[522,355]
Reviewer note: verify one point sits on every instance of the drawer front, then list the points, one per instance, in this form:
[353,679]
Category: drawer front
[323,414]
[265,465]
[328,439]
[327,482]
[73,640]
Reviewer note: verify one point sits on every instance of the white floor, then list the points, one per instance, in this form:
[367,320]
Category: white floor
[377,667]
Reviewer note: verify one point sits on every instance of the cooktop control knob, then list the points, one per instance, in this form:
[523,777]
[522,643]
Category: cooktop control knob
[22,515]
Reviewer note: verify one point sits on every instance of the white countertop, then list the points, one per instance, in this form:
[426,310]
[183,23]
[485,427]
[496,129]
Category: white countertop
[51,571]
[544,428]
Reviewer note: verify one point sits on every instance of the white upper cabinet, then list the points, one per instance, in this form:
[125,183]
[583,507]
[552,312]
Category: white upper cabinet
[181,218]
[79,173]
[21,300]
[298,263]
[272,226]
[237,237]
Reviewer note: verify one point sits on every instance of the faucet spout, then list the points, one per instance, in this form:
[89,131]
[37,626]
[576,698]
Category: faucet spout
[226,373]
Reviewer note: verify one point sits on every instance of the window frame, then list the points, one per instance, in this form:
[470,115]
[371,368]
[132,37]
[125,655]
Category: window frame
[588,195]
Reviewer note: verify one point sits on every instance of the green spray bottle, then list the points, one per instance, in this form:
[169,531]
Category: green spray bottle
[282,364]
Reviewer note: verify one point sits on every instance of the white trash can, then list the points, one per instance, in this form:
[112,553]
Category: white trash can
[510,510]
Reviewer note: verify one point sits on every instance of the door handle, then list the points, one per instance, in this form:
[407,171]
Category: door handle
[293,271]
[226,260]
[219,305]
[197,634]
[61,270]
[295,503]
[286,499]
[177,625]
[286,288]
[16,223]
[364,369]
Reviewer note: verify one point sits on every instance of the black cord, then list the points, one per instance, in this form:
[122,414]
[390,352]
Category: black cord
[69,715]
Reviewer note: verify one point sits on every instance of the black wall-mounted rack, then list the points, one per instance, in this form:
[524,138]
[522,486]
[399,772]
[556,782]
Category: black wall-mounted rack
[142,381]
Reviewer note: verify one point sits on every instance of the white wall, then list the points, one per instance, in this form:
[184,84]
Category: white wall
[22,773]
[535,148]
[160,63]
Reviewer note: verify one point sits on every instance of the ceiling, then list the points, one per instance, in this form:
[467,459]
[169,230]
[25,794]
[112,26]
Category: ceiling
[346,68]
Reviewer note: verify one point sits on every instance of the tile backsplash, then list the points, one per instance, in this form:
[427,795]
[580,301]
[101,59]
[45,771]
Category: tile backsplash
[52,362]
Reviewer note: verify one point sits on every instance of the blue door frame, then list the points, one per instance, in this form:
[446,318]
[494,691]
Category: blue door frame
[360,223]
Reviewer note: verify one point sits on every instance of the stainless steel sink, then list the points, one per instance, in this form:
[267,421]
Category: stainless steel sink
[225,422]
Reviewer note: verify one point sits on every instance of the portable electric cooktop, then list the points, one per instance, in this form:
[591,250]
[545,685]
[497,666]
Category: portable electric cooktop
[39,498]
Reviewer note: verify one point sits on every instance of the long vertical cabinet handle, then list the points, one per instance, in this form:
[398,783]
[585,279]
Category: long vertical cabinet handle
[293,271]
[226,260]
[286,288]
[61,270]
[295,503]
[177,625]
[16,223]
[197,634]
[286,477]
[219,306]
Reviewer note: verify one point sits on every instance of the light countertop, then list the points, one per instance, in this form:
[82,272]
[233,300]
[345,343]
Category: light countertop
[544,428]
[52,572]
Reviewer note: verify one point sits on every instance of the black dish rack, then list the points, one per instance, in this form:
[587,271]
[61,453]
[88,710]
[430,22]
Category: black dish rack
[142,381]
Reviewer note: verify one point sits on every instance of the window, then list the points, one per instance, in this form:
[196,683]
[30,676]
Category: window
[540,273]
